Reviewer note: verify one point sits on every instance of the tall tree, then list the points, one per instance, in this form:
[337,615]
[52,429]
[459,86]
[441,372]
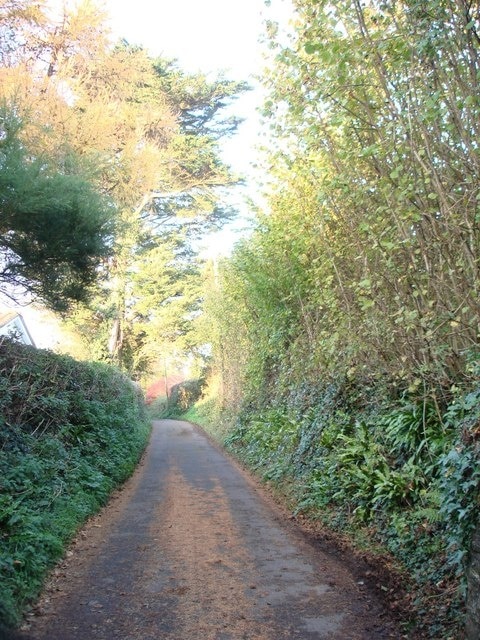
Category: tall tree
[376,112]
[366,266]
[151,130]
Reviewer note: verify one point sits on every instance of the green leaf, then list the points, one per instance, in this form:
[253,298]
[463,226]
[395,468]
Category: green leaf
[311,47]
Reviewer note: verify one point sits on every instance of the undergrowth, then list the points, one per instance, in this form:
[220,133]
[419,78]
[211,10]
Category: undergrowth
[69,433]
[405,475]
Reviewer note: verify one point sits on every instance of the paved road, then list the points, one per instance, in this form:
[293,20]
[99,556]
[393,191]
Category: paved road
[190,549]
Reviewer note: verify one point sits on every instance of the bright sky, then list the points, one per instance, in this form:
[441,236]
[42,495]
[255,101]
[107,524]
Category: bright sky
[206,35]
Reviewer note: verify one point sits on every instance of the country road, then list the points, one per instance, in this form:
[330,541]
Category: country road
[191,549]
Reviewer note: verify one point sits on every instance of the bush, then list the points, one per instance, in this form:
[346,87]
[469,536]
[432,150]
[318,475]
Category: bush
[183,396]
[69,433]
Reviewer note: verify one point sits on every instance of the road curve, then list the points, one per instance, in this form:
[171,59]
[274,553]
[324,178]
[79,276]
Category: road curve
[190,549]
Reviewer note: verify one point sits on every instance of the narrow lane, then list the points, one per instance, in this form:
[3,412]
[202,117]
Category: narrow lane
[191,550]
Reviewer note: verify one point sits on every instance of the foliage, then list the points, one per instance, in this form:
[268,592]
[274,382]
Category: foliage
[206,412]
[266,442]
[183,396]
[345,328]
[460,477]
[179,402]
[69,433]
[372,236]
[198,101]
[56,228]
[152,133]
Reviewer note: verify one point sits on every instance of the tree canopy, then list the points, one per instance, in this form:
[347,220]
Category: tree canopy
[107,132]
[368,259]
[55,228]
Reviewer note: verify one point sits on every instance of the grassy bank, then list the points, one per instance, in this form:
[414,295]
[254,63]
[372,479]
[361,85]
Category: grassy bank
[70,432]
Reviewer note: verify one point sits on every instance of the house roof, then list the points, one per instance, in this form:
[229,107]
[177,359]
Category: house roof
[7,316]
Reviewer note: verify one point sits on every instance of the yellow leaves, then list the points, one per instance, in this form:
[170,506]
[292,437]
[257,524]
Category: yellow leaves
[413,386]
[15,84]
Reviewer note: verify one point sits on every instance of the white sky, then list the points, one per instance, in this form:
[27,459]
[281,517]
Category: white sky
[206,35]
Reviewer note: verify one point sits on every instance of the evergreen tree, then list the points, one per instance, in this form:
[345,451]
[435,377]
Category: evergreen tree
[55,228]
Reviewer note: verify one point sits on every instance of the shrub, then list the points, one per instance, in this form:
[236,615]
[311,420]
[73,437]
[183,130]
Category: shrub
[69,433]
[183,396]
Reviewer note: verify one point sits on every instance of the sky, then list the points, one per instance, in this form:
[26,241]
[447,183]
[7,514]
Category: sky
[206,35]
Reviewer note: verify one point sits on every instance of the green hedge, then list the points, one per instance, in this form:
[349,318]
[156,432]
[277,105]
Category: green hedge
[69,433]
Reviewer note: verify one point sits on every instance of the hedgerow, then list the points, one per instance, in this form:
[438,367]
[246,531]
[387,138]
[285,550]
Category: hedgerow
[69,433]
[404,474]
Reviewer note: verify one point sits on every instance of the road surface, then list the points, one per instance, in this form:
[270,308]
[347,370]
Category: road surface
[192,549]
